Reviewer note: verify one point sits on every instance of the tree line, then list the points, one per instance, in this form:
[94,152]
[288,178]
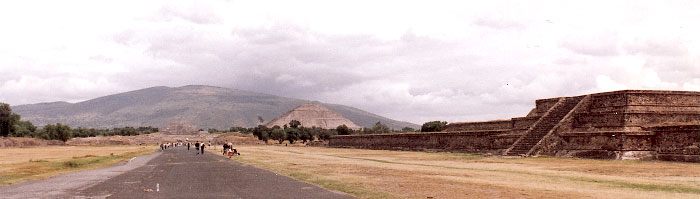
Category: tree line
[294,132]
[11,125]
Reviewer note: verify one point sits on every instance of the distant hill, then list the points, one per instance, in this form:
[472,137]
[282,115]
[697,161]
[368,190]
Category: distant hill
[203,106]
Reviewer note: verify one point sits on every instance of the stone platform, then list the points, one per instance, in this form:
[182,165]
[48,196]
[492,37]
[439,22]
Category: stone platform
[627,124]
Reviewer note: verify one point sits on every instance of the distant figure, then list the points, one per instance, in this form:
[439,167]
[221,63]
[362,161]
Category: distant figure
[232,151]
[188,146]
[226,147]
[202,148]
[161,147]
[196,147]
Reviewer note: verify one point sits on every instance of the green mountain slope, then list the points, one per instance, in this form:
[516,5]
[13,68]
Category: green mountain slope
[204,106]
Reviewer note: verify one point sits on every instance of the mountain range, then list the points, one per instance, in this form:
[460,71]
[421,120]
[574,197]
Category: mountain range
[202,106]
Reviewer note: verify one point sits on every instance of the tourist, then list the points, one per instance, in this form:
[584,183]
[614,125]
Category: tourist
[230,153]
[188,146]
[225,150]
[233,150]
[202,148]
[196,147]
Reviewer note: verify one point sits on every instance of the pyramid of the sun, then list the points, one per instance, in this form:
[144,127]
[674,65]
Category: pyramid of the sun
[313,115]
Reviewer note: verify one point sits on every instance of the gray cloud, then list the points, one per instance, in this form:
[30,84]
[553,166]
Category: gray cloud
[403,67]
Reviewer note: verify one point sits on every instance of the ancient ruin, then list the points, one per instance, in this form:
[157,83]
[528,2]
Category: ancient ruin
[628,124]
[313,115]
[180,128]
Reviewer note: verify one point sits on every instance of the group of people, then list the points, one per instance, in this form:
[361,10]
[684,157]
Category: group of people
[228,149]
[199,147]
[164,146]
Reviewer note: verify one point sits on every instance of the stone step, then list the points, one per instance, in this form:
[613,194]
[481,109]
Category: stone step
[546,123]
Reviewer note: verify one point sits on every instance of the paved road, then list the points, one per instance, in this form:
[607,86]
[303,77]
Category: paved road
[64,186]
[179,173]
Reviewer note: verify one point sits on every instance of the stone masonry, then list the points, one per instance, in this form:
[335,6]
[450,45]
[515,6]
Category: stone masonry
[627,124]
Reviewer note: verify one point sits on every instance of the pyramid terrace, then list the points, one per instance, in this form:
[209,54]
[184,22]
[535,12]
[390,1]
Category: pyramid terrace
[627,124]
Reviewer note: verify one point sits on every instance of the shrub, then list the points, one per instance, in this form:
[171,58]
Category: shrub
[434,126]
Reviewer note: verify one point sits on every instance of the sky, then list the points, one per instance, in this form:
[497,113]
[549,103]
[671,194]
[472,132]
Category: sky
[413,61]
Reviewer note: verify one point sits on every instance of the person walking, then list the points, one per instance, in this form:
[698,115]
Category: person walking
[188,146]
[196,147]
[225,150]
[202,147]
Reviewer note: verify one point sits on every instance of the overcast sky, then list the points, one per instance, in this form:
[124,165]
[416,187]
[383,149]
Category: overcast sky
[412,61]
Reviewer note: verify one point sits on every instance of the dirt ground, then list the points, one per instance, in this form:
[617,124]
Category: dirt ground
[60,153]
[28,163]
[399,174]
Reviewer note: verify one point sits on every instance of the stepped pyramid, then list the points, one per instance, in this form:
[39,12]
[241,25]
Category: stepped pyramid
[313,114]
[180,128]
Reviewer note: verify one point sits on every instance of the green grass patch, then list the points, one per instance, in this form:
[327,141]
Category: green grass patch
[644,187]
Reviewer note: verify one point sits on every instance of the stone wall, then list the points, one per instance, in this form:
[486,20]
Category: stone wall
[518,123]
[678,142]
[543,105]
[629,124]
[631,110]
[27,142]
[479,126]
[482,141]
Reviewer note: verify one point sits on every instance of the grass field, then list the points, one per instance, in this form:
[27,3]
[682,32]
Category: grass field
[398,174]
[21,164]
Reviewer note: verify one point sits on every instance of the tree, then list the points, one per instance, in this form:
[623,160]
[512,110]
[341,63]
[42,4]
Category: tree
[305,134]
[380,128]
[324,134]
[23,129]
[5,119]
[278,134]
[408,129]
[262,132]
[63,132]
[434,126]
[343,130]
[291,135]
[56,132]
[237,129]
[294,124]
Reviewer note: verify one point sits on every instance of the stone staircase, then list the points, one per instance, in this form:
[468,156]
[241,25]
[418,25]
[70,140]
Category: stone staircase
[542,127]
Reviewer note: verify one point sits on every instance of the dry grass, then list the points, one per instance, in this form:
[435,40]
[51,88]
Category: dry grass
[21,164]
[397,174]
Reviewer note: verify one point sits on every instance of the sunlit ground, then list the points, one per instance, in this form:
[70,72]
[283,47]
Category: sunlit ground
[400,174]
[21,164]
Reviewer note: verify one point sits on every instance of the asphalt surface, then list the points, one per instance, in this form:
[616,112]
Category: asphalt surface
[180,173]
[64,186]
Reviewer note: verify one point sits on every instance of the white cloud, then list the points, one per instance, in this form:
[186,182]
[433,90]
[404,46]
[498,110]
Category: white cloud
[408,60]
